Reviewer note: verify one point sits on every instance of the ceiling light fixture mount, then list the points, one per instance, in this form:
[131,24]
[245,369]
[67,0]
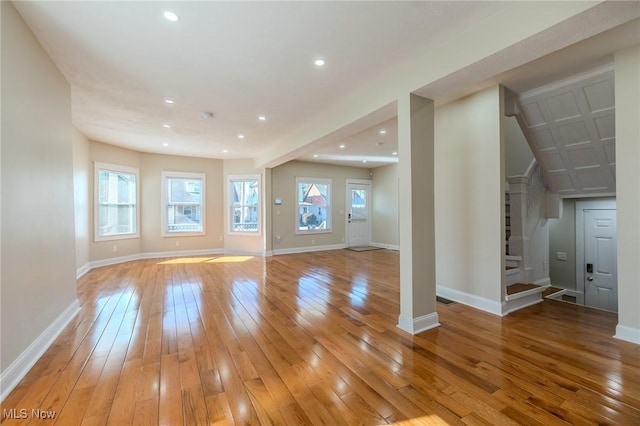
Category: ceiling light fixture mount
[240,136]
[169,101]
[170,16]
[262,117]
[320,62]
[208,115]
[383,131]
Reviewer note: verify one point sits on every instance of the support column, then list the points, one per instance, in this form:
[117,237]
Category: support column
[417,219]
[627,90]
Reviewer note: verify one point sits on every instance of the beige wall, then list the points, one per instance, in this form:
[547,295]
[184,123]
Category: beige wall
[38,244]
[517,153]
[562,238]
[82,197]
[244,243]
[469,173]
[284,216]
[385,205]
[627,88]
[152,166]
[103,153]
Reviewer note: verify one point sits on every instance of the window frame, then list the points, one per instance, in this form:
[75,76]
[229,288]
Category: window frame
[230,206]
[165,175]
[114,168]
[322,181]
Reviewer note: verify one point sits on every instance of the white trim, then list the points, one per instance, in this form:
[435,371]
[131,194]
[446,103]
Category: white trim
[347,219]
[21,366]
[522,294]
[419,324]
[521,303]
[386,246]
[83,270]
[161,254]
[114,261]
[321,181]
[229,204]
[596,72]
[309,249]
[97,166]
[545,282]
[163,203]
[581,206]
[629,334]
[486,305]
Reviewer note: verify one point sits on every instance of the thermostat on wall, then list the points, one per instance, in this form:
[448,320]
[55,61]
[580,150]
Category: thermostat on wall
[277,201]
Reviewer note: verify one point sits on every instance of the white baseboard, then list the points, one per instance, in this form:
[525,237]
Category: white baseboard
[309,249]
[83,270]
[386,246]
[628,334]
[545,282]
[478,302]
[419,324]
[21,366]
[181,253]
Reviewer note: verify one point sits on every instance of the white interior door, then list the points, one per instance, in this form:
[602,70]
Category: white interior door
[600,263]
[358,214]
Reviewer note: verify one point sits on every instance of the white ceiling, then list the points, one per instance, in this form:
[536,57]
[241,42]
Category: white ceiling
[242,59]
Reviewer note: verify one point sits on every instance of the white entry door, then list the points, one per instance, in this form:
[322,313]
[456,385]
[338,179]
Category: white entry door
[600,263]
[358,214]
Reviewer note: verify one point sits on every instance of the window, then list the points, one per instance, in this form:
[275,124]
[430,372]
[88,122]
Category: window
[314,205]
[116,202]
[244,202]
[182,204]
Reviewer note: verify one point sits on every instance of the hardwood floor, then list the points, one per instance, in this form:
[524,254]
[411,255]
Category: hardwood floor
[312,339]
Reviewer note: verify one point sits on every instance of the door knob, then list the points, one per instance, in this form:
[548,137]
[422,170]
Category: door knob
[589,278]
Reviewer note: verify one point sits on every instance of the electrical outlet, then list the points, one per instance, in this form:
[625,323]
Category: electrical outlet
[115,249]
[177,243]
[278,239]
[313,241]
[221,238]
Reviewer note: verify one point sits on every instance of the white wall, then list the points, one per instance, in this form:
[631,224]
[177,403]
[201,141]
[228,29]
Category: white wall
[385,206]
[38,244]
[469,199]
[627,90]
[82,197]
[103,153]
[151,168]
[284,217]
[562,238]
[518,155]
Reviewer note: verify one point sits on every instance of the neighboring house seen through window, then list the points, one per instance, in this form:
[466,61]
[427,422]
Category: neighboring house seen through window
[314,205]
[183,203]
[116,202]
[244,202]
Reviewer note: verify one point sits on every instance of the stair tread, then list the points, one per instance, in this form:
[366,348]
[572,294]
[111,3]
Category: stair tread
[520,287]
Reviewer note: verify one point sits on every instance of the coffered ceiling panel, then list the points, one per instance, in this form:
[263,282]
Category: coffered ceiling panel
[570,126]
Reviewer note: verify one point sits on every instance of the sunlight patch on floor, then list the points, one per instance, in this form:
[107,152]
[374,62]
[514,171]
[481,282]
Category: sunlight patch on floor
[185,260]
[230,259]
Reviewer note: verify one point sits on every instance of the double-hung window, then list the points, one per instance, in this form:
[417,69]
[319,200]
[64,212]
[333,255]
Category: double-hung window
[183,204]
[313,209]
[244,203]
[116,202]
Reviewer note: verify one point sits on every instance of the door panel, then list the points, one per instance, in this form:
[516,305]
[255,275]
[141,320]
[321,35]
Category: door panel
[601,280]
[359,211]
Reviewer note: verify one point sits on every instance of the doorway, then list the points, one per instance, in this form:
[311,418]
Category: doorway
[596,253]
[358,226]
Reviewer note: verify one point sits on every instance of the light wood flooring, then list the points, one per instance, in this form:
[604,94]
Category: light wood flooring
[312,339]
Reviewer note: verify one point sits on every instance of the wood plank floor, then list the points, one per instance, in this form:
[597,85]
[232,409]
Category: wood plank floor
[312,339]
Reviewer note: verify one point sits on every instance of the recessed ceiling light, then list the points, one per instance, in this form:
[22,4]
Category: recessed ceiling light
[165,144]
[383,131]
[315,155]
[262,118]
[240,136]
[394,153]
[168,101]
[225,150]
[171,16]
[319,62]
[166,126]
[342,146]
[364,161]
